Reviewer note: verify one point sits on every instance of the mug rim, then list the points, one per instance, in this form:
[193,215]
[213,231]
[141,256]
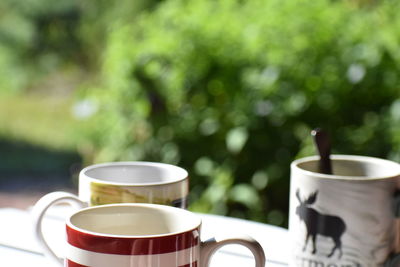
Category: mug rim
[183,174]
[196,219]
[336,157]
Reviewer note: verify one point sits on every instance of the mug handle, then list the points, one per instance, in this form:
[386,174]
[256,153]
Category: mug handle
[38,212]
[210,246]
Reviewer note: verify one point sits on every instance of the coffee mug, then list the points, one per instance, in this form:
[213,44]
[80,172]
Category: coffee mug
[348,218]
[141,235]
[133,182]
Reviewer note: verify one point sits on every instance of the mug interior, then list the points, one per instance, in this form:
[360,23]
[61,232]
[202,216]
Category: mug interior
[142,220]
[353,166]
[136,173]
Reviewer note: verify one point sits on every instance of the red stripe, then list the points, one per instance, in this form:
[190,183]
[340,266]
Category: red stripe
[133,246]
[70,263]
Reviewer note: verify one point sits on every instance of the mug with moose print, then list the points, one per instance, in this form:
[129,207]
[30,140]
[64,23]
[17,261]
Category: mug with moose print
[348,218]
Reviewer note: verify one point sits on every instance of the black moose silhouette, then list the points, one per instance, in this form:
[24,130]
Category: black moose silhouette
[320,224]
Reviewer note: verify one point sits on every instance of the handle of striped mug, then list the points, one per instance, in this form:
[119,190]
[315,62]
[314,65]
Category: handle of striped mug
[210,246]
[38,212]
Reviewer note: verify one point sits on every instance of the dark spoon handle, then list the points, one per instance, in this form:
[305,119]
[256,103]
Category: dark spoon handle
[323,143]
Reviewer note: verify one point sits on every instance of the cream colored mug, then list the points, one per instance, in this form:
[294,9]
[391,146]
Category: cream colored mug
[133,182]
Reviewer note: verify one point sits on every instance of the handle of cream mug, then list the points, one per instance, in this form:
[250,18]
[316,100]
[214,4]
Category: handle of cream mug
[210,246]
[38,212]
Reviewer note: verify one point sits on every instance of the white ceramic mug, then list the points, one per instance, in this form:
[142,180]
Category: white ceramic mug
[132,182]
[141,235]
[348,218]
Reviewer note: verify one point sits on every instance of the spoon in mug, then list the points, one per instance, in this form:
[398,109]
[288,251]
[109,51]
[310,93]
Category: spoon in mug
[323,144]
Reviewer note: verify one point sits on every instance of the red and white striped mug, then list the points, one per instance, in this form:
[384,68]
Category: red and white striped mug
[142,235]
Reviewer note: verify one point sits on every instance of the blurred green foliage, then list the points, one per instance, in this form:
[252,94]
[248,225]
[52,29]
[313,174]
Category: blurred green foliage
[36,38]
[39,38]
[228,89]
[231,89]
